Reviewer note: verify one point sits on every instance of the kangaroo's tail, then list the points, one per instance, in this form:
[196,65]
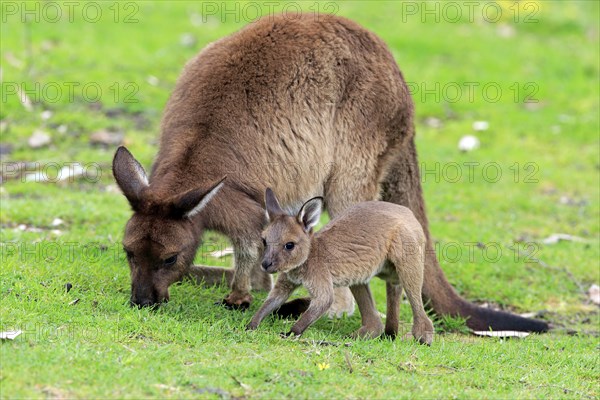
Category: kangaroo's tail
[402,186]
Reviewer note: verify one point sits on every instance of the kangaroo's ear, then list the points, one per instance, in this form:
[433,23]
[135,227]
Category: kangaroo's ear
[310,213]
[130,176]
[272,204]
[193,201]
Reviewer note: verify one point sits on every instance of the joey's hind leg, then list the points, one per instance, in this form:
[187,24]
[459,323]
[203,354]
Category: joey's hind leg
[393,294]
[371,322]
[409,266]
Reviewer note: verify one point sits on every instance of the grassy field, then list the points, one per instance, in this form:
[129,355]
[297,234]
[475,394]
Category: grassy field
[529,70]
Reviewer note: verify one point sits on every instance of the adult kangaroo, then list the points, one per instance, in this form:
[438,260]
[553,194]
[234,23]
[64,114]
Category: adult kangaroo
[309,105]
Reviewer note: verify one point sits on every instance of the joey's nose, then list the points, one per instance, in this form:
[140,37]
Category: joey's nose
[267,264]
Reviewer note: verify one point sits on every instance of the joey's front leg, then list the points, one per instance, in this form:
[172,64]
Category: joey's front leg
[281,292]
[321,298]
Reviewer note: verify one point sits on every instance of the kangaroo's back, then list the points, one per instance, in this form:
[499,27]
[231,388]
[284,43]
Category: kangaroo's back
[288,101]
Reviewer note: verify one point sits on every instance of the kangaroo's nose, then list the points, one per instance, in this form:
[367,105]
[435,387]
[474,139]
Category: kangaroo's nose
[142,303]
[266,264]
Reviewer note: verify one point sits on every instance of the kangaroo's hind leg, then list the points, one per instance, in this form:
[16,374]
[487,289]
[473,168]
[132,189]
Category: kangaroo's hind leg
[408,258]
[371,322]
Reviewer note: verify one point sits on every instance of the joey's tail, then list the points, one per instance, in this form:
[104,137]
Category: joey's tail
[403,186]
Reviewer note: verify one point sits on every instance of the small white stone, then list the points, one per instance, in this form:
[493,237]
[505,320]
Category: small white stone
[506,31]
[433,122]
[46,115]
[188,40]
[39,139]
[481,125]
[152,80]
[57,222]
[468,143]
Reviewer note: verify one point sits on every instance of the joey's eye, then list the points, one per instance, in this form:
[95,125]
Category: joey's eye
[289,245]
[128,253]
[264,242]
[170,261]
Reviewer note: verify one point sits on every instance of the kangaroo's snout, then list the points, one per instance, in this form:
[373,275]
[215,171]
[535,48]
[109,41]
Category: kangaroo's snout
[267,265]
[146,301]
[143,303]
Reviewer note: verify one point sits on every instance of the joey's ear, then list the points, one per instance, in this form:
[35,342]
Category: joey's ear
[309,214]
[193,201]
[130,176]
[272,204]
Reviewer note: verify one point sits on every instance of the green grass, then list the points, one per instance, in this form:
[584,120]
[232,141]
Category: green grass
[99,347]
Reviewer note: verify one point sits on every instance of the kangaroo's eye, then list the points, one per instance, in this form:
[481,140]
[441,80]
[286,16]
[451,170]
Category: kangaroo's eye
[170,261]
[128,253]
[264,242]
[289,245]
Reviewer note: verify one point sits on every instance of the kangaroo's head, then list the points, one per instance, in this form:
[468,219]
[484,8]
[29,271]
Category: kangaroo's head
[160,238]
[287,237]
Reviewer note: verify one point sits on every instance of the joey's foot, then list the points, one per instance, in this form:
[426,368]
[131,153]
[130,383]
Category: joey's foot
[366,332]
[237,301]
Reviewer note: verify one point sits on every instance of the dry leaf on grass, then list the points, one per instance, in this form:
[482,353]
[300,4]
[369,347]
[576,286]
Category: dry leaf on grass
[557,237]
[222,253]
[9,335]
[502,334]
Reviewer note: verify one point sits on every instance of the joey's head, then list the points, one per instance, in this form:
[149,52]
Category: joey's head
[160,238]
[287,237]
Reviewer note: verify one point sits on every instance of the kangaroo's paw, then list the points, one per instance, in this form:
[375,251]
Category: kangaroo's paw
[237,301]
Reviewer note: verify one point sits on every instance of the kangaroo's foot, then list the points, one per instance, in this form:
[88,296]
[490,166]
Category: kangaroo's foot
[368,332]
[422,331]
[343,302]
[237,301]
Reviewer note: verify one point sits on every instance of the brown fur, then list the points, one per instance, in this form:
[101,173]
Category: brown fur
[368,239]
[309,105]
